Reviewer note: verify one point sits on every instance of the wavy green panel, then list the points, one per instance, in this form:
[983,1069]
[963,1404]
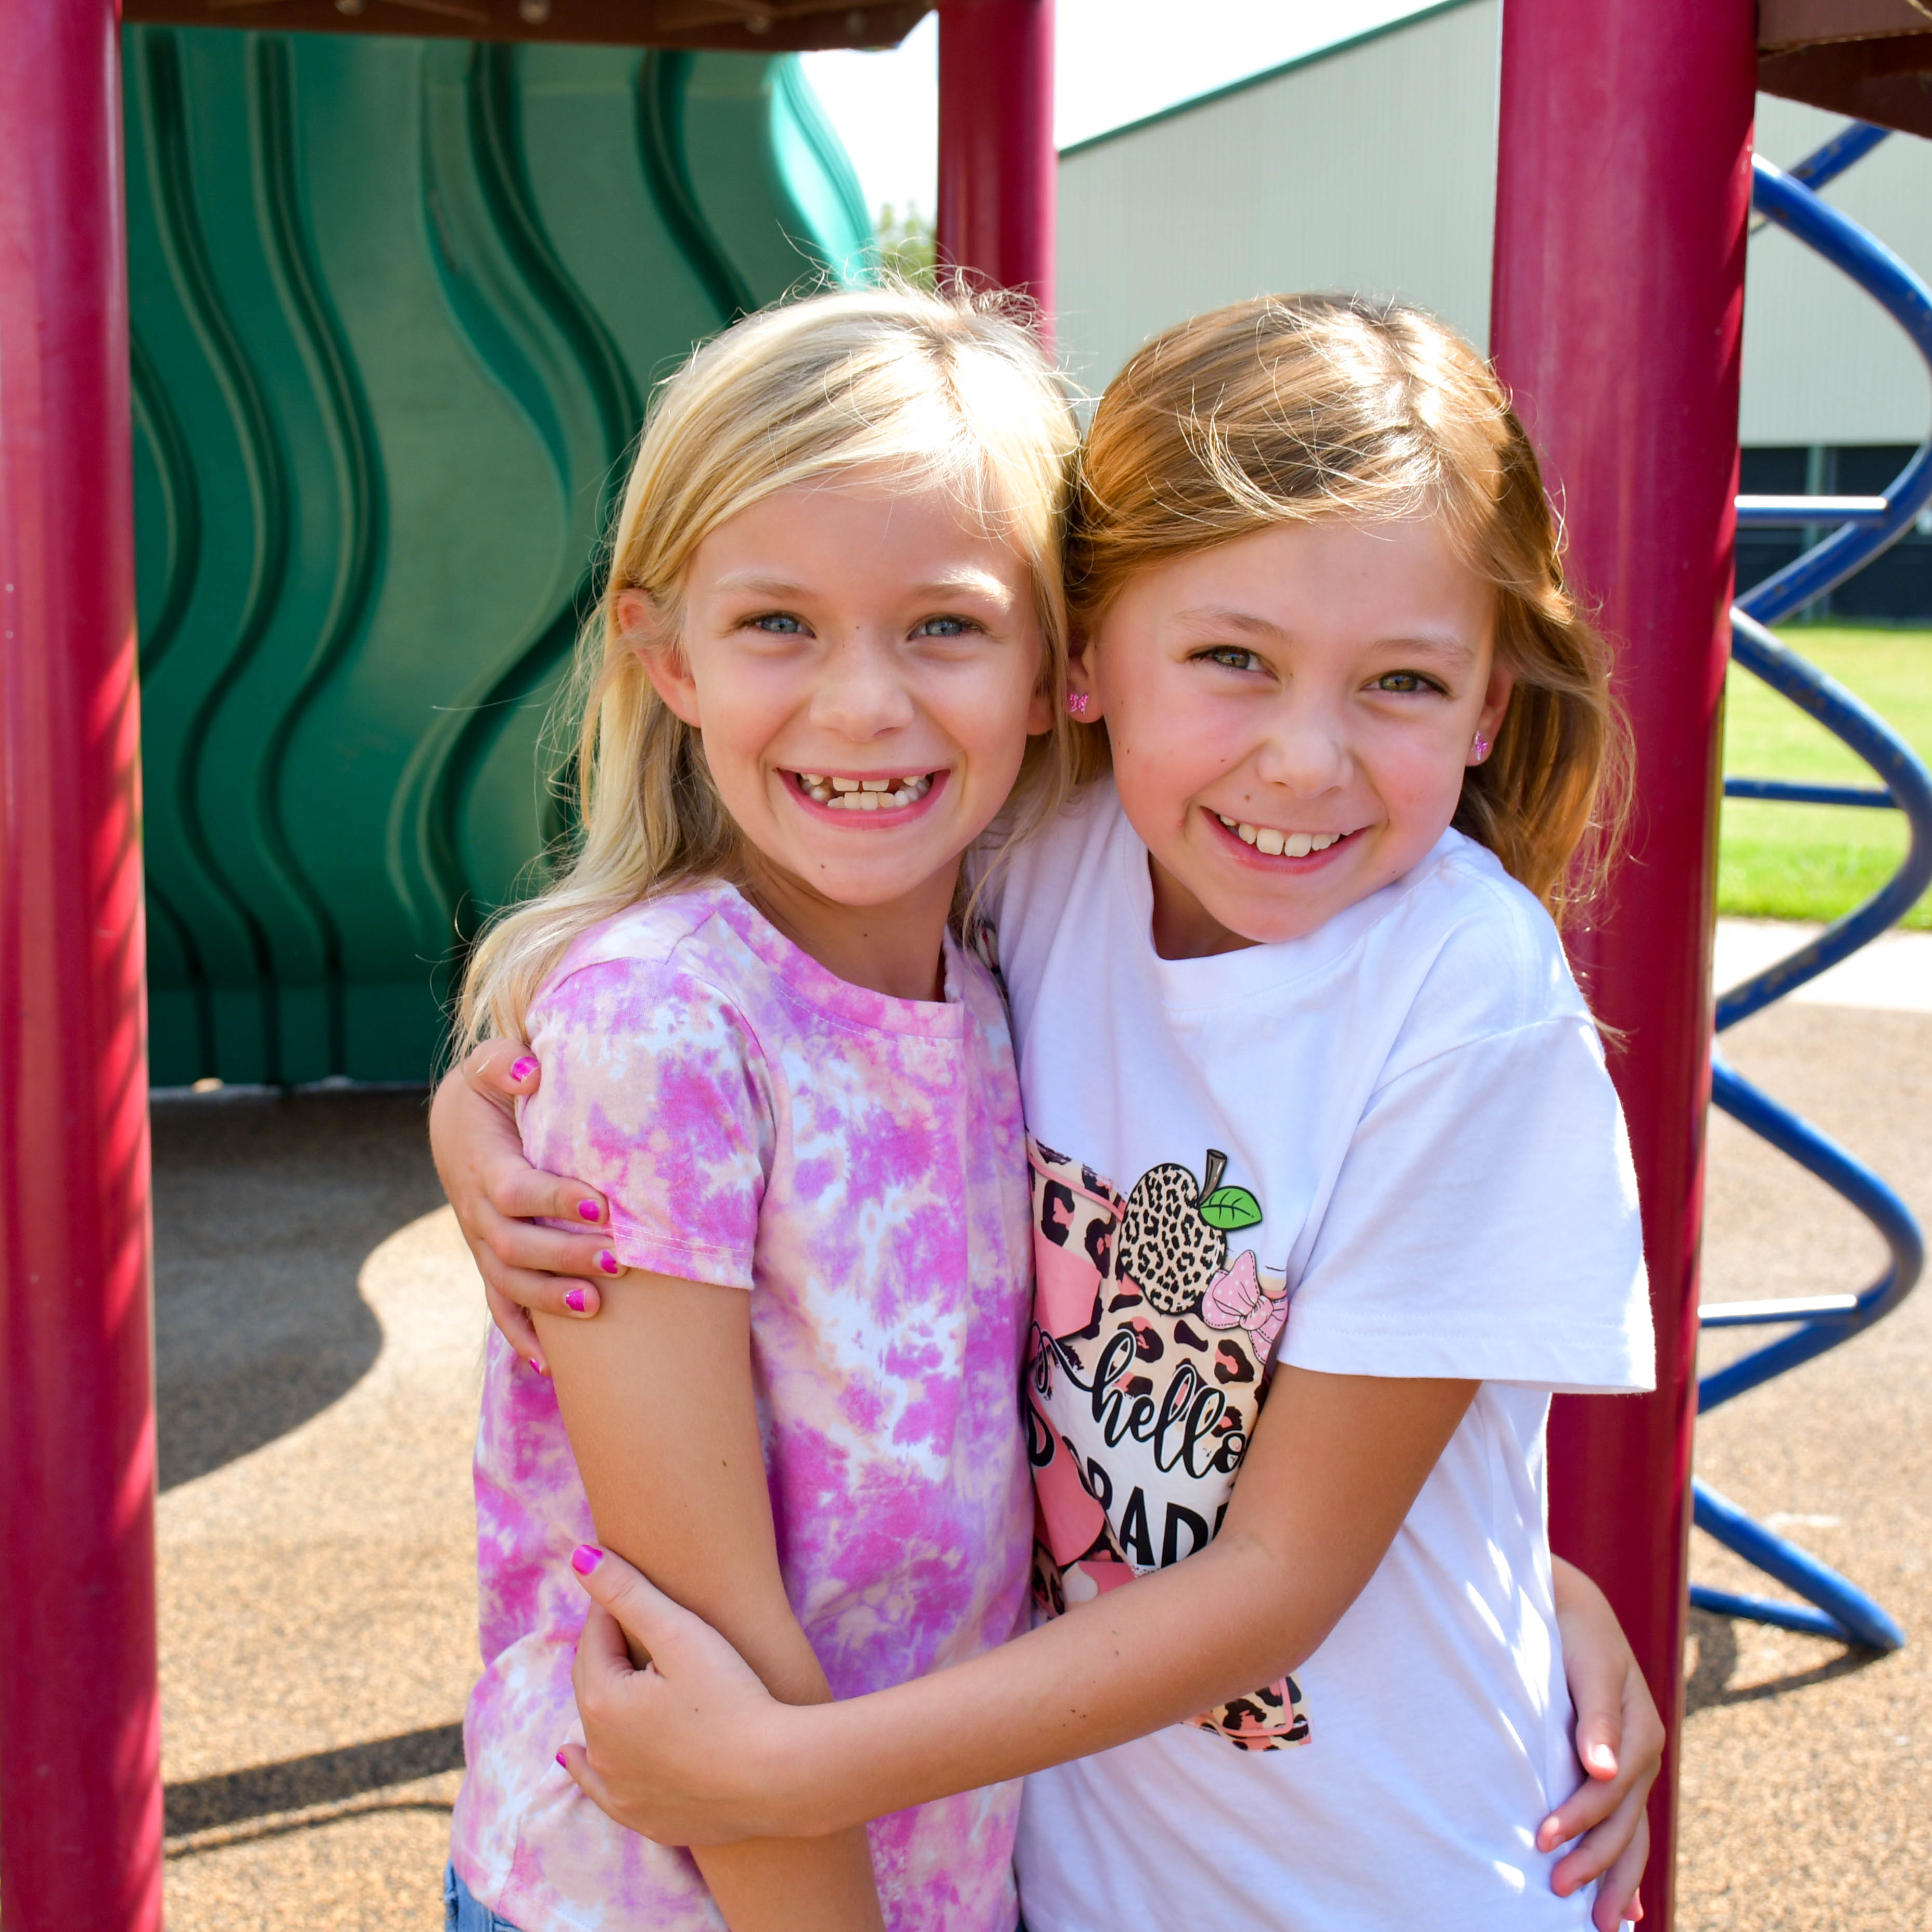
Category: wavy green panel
[208,441]
[396,307]
[771,182]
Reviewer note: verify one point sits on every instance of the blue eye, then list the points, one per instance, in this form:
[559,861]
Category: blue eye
[779,624]
[943,627]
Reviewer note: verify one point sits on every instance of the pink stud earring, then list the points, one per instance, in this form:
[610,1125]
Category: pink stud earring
[1076,703]
[1481,747]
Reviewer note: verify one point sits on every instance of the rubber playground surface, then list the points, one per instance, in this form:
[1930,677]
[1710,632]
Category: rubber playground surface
[320,1338]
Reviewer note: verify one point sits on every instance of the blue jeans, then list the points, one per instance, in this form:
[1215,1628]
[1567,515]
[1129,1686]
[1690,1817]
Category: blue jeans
[462,1911]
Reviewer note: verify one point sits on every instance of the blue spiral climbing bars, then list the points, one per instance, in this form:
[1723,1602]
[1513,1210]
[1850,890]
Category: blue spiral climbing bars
[1833,1606]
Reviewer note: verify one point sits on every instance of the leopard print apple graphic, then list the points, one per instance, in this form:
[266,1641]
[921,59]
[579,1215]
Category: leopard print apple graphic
[1173,1235]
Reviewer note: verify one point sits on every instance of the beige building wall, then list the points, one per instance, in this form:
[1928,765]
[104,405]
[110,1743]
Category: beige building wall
[1823,362]
[1373,168]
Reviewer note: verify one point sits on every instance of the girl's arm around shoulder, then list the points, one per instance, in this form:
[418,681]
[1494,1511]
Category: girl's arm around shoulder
[656,1092]
[1335,1465]
[657,1398]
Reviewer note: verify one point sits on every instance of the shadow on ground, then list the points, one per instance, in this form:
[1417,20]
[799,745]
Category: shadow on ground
[265,1208]
[1708,1686]
[321,1777]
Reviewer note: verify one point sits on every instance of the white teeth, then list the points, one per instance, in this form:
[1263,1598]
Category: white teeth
[866,794]
[1278,845]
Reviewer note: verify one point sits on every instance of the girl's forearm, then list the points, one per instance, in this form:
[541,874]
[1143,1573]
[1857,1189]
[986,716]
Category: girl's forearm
[793,1885]
[1134,1660]
[1334,1466]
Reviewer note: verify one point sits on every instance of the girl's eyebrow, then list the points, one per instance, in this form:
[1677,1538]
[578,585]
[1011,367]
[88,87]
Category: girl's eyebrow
[1454,650]
[759,585]
[1209,617]
[965,581]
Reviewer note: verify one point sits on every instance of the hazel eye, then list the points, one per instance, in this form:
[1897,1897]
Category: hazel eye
[1405,682]
[1231,657]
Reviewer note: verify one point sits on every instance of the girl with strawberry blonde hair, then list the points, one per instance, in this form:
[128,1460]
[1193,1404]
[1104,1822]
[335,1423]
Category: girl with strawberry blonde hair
[1330,1193]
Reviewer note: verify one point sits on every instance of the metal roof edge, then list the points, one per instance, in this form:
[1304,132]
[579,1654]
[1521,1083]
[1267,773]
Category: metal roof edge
[1311,58]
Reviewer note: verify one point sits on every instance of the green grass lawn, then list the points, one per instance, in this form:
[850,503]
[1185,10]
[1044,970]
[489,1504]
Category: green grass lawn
[1816,861]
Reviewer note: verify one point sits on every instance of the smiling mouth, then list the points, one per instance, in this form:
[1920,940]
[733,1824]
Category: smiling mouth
[850,794]
[1264,838]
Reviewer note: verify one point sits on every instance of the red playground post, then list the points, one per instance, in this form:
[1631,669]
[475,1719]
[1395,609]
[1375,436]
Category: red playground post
[80,1793]
[998,168]
[1622,197]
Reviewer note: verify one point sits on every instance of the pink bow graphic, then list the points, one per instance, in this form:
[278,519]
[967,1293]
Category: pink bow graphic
[1240,1299]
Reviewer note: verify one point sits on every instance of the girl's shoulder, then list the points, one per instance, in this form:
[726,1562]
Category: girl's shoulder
[686,930]
[664,959]
[1482,954]
[1037,869]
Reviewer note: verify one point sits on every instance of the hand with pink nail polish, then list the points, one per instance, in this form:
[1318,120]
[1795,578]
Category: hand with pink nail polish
[1619,1742]
[540,1241]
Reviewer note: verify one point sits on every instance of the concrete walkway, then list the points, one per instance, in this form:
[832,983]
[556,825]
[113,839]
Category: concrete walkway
[320,1331]
[1893,974]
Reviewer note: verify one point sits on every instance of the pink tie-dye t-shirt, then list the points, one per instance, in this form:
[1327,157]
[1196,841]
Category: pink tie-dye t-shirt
[858,1165]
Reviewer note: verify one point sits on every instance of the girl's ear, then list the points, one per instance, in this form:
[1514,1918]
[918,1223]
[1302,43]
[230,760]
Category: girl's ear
[1084,697]
[639,626]
[1495,702]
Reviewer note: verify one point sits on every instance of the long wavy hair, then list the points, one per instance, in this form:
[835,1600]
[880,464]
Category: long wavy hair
[944,389]
[1290,408]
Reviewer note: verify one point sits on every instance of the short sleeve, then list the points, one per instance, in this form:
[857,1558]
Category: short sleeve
[1484,1225]
[654,1091]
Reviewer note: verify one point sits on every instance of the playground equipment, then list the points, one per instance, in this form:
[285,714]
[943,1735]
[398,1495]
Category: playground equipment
[1867,526]
[1623,199]
[388,352]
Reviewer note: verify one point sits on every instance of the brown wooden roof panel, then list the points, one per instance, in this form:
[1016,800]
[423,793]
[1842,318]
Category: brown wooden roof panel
[1872,59]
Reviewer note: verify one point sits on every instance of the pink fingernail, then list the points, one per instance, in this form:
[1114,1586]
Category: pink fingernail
[537,1364]
[573,1301]
[523,1068]
[609,1262]
[562,1760]
[589,1210]
[585,1557]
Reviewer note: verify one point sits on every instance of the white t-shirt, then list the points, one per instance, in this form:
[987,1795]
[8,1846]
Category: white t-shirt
[1388,1148]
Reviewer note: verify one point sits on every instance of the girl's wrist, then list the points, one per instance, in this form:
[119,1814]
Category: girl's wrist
[797,1772]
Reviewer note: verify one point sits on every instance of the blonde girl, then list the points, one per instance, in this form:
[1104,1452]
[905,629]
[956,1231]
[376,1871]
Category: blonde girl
[1317,1115]
[821,665]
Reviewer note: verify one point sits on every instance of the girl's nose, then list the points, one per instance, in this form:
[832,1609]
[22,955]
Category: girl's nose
[1305,753]
[861,694]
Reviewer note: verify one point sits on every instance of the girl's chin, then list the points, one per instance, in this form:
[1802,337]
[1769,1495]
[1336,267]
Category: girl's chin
[832,873]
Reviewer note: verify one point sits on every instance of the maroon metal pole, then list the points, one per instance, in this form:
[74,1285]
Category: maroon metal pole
[998,168]
[1622,197]
[80,1794]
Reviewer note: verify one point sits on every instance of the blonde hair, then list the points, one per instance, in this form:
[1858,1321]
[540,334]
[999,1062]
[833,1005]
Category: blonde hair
[941,389]
[1289,408]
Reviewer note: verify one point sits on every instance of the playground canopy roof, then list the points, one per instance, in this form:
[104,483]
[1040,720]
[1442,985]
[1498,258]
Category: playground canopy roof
[739,26]
[1872,59]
